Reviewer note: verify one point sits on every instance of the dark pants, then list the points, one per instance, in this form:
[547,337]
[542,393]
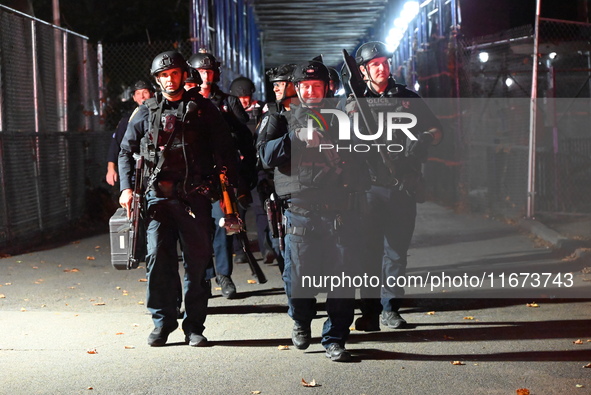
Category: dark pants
[388,227]
[313,247]
[168,224]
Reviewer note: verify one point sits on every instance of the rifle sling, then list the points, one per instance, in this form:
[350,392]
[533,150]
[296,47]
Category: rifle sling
[162,157]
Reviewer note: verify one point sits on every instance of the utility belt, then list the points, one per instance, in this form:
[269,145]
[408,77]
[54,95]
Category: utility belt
[179,189]
[347,202]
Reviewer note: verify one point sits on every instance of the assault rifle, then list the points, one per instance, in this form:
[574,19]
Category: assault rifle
[234,225]
[137,248]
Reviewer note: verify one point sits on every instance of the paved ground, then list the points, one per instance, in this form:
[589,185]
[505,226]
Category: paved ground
[71,324]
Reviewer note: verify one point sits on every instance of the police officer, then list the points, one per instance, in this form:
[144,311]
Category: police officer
[318,186]
[182,138]
[232,111]
[243,88]
[193,80]
[396,185]
[273,125]
[141,92]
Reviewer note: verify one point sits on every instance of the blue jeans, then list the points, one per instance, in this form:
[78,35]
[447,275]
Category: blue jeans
[169,223]
[314,248]
[222,244]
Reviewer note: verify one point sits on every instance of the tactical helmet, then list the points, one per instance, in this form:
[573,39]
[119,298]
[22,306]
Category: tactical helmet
[311,70]
[141,84]
[281,73]
[194,77]
[241,87]
[204,60]
[371,50]
[166,61]
[335,78]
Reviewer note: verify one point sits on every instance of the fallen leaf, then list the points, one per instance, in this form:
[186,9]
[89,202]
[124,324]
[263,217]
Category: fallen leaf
[90,388]
[580,386]
[522,391]
[2,296]
[255,392]
[117,288]
[283,347]
[587,366]
[90,258]
[129,347]
[458,363]
[469,317]
[35,267]
[99,304]
[251,281]
[76,242]
[23,309]
[447,337]
[218,288]
[578,341]
[140,302]
[120,333]
[430,313]
[71,270]
[143,280]
[7,283]
[92,351]
[310,384]
[97,246]
[534,304]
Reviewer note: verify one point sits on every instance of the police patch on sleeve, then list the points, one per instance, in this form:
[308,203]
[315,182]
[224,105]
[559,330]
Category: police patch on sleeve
[264,123]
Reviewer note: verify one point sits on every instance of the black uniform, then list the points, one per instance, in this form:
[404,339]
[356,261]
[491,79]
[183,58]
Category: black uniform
[175,212]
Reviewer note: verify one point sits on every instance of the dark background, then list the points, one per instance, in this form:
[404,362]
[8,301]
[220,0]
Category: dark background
[144,21]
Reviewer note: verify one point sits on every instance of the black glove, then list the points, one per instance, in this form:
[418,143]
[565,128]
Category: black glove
[420,148]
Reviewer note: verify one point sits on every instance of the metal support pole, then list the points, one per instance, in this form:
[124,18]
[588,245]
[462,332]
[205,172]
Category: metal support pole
[34,58]
[531,176]
[65,82]
[59,77]
[101,85]
[85,96]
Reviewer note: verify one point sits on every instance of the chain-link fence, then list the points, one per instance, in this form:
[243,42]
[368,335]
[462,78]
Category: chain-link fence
[51,145]
[497,72]
[126,63]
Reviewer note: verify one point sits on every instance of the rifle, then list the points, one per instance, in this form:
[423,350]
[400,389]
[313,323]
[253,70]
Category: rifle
[357,87]
[275,218]
[234,225]
[137,248]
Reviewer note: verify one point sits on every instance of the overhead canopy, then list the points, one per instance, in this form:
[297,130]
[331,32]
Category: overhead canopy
[298,30]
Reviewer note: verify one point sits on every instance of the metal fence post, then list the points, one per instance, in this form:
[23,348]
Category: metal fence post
[64,88]
[531,175]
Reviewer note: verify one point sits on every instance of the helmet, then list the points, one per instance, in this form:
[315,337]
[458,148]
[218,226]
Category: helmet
[194,77]
[335,78]
[205,60]
[242,86]
[311,70]
[166,61]
[281,73]
[141,84]
[371,50]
